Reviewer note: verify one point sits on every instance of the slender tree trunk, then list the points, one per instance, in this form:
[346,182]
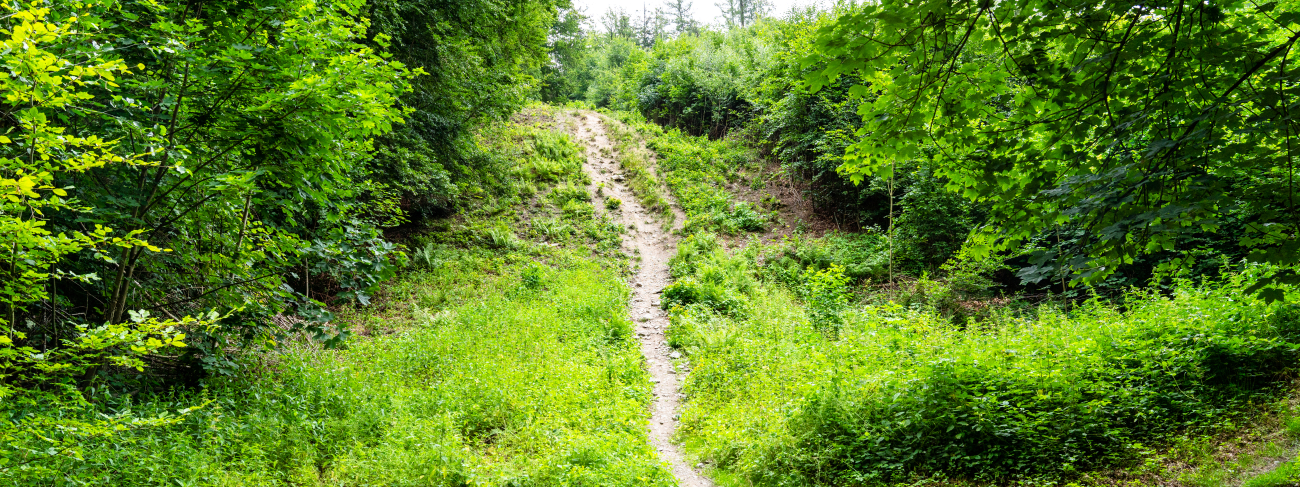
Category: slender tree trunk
[891,224]
[243,223]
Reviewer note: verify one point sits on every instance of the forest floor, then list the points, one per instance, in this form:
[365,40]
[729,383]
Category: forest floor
[651,244]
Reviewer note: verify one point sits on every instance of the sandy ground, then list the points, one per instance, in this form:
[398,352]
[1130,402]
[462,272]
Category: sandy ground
[652,245]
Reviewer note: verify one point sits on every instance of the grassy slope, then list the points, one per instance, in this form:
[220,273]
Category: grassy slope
[697,172]
[794,383]
[482,367]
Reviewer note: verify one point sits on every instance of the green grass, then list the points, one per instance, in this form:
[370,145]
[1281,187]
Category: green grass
[636,164]
[894,392]
[522,382]
[502,356]
[1286,474]
[697,171]
[794,384]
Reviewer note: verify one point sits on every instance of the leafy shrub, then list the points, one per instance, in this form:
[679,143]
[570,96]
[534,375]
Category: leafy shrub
[933,221]
[827,294]
[552,228]
[543,169]
[709,290]
[692,251]
[48,419]
[969,273]
[961,290]
[425,257]
[613,203]
[578,209]
[699,82]
[500,237]
[357,259]
[531,277]
[905,392]
[741,217]
[559,147]
[555,157]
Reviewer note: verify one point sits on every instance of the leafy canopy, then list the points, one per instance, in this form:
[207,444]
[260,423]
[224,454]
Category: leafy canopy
[1139,123]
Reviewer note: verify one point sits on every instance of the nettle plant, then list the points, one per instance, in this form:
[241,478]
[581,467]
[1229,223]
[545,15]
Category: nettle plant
[827,294]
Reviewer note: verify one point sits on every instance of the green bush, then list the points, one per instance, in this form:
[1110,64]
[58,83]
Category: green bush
[567,192]
[575,209]
[898,392]
[827,294]
[554,158]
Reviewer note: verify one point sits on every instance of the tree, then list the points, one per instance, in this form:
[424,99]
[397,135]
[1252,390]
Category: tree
[651,27]
[743,12]
[1138,124]
[480,58]
[50,76]
[214,161]
[618,24]
[680,17]
[567,47]
[253,155]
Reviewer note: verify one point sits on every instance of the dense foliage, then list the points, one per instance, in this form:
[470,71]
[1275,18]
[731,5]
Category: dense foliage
[1052,133]
[183,181]
[480,62]
[799,376]
[1139,125]
[746,83]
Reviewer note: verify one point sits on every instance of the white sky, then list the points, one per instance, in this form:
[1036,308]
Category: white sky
[706,11]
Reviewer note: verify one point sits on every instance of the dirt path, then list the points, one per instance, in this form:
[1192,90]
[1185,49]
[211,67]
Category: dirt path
[648,241]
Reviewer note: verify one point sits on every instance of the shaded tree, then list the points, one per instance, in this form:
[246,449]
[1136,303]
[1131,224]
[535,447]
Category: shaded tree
[567,47]
[651,27]
[480,57]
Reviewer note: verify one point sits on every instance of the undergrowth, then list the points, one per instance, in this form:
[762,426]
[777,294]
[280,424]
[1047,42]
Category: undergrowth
[792,385]
[698,171]
[503,355]
[531,379]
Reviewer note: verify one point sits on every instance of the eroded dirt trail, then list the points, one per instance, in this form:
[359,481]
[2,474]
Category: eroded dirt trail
[648,241]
